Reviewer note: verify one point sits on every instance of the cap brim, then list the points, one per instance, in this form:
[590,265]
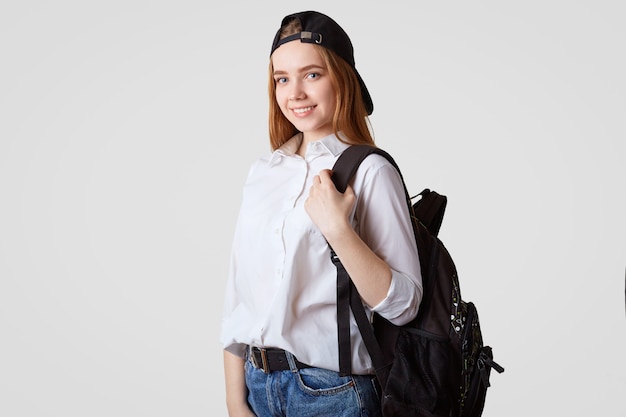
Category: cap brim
[367,99]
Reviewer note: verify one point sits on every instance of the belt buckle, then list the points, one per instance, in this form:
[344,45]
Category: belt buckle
[264,366]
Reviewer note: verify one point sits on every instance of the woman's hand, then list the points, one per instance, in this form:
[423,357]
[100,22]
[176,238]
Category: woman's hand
[330,211]
[242,412]
[328,208]
[236,391]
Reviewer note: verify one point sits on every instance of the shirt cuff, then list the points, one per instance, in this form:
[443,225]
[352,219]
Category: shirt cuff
[402,301]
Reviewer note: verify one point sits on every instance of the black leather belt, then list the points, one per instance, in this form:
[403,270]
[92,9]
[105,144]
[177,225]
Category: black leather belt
[271,359]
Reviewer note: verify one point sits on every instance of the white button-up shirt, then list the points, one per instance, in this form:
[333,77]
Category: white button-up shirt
[281,290]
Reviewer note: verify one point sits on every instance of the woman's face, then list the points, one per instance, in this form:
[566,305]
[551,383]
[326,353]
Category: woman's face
[304,91]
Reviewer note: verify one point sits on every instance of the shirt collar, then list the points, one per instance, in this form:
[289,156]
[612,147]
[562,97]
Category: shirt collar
[334,145]
[330,144]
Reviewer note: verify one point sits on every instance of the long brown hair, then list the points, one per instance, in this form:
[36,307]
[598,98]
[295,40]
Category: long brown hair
[350,116]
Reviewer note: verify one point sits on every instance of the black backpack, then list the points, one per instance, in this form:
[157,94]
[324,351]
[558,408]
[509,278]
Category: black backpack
[436,365]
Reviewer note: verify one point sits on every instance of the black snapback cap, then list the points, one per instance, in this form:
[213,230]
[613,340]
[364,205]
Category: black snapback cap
[322,30]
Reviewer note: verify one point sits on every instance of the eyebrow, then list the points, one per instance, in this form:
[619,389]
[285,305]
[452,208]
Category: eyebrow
[303,69]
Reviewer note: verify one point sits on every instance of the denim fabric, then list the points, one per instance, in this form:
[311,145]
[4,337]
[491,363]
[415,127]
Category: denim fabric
[310,392]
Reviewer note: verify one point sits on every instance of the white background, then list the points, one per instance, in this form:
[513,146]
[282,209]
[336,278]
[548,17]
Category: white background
[126,132]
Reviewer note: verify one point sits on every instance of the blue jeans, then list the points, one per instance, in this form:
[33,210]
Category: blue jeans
[310,392]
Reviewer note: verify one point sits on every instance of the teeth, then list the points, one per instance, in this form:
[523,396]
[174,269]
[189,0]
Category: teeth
[303,110]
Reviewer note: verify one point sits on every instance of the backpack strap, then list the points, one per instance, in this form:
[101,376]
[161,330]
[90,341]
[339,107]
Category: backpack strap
[429,209]
[347,164]
[347,294]
[349,161]
[343,315]
[348,298]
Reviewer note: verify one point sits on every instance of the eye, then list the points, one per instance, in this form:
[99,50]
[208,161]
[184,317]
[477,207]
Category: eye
[313,75]
[280,80]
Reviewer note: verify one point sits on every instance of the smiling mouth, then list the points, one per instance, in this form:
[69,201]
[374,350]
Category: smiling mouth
[302,110]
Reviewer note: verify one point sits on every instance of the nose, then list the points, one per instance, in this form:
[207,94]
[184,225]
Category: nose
[297,91]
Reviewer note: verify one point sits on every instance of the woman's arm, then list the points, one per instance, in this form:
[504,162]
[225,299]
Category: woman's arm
[236,390]
[330,211]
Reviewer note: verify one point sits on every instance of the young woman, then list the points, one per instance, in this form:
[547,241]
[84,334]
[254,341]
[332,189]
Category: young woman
[279,328]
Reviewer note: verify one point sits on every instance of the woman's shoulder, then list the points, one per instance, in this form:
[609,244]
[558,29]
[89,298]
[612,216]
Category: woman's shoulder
[376,169]
[258,162]
[374,163]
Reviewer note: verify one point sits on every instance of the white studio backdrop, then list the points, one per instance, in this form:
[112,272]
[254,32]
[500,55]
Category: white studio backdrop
[126,132]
